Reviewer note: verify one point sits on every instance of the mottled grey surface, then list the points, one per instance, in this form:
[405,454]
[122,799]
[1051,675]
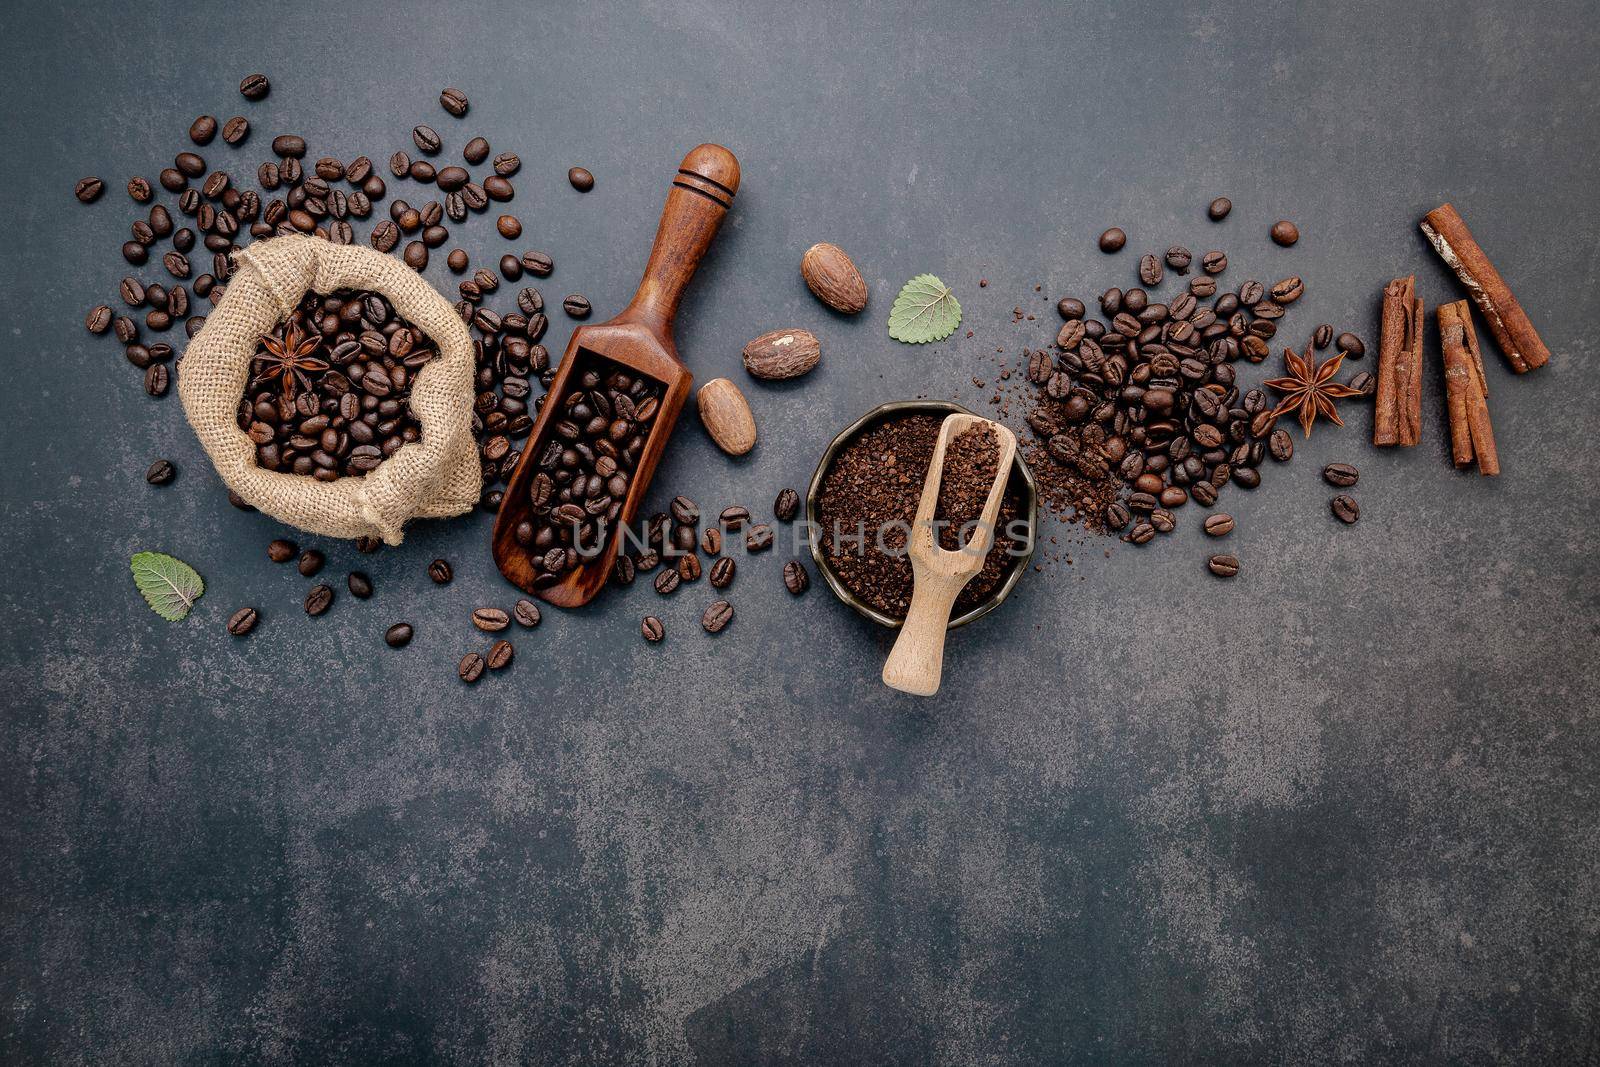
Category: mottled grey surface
[1342,808]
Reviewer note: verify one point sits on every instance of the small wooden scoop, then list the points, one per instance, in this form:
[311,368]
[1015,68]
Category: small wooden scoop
[640,340]
[917,660]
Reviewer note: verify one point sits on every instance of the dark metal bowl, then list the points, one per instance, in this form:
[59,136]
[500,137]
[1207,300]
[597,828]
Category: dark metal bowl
[1021,481]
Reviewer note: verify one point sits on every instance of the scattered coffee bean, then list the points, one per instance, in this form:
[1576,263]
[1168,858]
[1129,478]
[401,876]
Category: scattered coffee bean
[360,585]
[426,140]
[399,635]
[490,620]
[367,545]
[1342,475]
[1345,509]
[1223,566]
[157,379]
[576,306]
[711,541]
[1113,240]
[243,621]
[787,506]
[1364,383]
[139,189]
[759,538]
[475,151]
[795,577]
[509,226]
[652,629]
[161,472]
[717,616]
[689,567]
[1285,232]
[311,562]
[1281,446]
[203,129]
[1214,263]
[500,654]
[319,599]
[667,581]
[470,669]
[281,551]
[1219,208]
[255,86]
[1070,308]
[1218,525]
[1322,337]
[526,612]
[506,164]
[538,263]
[510,267]
[235,130]
[457,261]
[1351,345]
[581,179]
[722,571]
[454,101]
[439,570]
[88,190]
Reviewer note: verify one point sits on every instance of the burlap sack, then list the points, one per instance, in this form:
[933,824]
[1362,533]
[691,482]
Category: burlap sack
[435,477]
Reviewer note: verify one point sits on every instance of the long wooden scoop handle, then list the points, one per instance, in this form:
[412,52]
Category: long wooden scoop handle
[916,663]
[701,194]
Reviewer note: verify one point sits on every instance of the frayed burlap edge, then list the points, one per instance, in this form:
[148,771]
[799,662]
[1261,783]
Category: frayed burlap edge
[435,477]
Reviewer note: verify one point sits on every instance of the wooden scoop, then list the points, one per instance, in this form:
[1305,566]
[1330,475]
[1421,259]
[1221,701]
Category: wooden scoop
[640,340]
[917,659]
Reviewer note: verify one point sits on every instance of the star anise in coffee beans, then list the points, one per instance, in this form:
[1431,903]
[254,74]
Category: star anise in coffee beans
[1309,389]
[287,357]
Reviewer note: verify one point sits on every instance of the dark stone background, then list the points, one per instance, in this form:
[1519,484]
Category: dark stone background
[1343,807]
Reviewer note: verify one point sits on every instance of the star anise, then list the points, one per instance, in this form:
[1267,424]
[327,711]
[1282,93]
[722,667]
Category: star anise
[1310,389]
[288,359]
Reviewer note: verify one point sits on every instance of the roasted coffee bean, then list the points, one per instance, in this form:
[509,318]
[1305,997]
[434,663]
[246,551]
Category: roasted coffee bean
[1116,517]
[1364,383]
[734,517]
[652,629]
[426,140]
[157,379]
[722,570]
[470,669]
[475,151]
[1322,337]
[1284,232]
[500,655]
[135,252]
[787,506]
[457,261]
[1351,345]
[1113,240]
[1213,263]
[399,635]
[439,570]
[498,189]
[172,180]
[1219,525]
[506,164]
[717,616]
[1149,270]
[1179,258]
[667,581]
[319,599]
[1219,208]
[509,226]
[454,101]
[99,318]
[689,567]
[711,541]
[526,613]
[416,256]
[1142,533]
[88,190]
[1342,475]
[684,511]
[161,472]
[796,578]
[580,179]
[359,584]
[490,620]
[385,235]
[281,551]
[243,621]
[235,130]
[189,164]
[1281,445]
[1203,493]
[538,263]
[177,264]
[623,570]
[367,545]
[400,164]
[139,189]
[311,562]
[1345,509]
[1223,566]
[1246,477]
[1288,291]
[576,306]
[759,538]
[255,86]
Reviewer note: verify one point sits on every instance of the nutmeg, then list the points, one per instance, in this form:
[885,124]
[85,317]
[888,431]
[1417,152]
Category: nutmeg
[726,416]
[834,280]
[782,354]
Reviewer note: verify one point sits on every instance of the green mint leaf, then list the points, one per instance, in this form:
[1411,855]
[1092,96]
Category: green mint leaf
[926,310]
[170,586]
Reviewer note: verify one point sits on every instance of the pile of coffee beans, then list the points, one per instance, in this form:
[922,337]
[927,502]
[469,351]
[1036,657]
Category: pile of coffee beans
[586,468]
[1150,396]
[875,485]
[330,388]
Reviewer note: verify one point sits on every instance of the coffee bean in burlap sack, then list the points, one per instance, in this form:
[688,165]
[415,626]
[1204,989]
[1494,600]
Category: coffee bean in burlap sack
[434,477]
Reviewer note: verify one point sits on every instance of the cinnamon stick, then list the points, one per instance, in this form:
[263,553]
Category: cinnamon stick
[1509,324]
[1466,392]
[1397,408]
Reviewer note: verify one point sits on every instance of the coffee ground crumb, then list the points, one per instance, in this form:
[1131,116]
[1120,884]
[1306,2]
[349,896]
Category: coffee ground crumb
[970,461]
